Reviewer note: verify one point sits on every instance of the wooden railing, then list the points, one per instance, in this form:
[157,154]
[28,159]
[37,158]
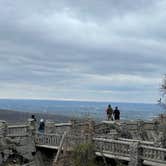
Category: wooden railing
[101,128]
[48,139]
[115,147]
[2,131]
[146,143]
[108,147]
[153,154]
[122,149]
[53,140]
[17,130]
[71,141]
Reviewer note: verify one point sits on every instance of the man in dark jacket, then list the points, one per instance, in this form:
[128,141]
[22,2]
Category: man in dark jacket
[116,113]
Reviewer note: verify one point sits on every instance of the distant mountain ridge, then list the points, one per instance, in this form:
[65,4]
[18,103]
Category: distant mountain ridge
[13,116]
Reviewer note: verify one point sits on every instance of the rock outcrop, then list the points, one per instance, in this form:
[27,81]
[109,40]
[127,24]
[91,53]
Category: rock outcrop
[20,151]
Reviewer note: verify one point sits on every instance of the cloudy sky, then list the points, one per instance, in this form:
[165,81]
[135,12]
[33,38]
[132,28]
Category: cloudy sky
[103,50]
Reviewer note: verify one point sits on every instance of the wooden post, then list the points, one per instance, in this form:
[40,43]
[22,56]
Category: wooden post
[3,129]
[59,149]
[49,127]
[135,154]
[32,126]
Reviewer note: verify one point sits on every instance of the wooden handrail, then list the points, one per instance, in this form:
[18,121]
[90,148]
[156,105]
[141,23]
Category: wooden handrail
[134,140]
[17,130]
[154,148]
[17,126]
[111,141]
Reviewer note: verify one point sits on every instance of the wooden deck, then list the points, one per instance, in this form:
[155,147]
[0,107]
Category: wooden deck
[48,147]
[120,149]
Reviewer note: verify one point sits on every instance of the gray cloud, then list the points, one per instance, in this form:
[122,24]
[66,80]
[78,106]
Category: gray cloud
[88,47]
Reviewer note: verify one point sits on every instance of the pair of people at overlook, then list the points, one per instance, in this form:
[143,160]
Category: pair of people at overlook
[113,114]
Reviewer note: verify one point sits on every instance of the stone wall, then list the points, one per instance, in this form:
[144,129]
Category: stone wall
[17,150]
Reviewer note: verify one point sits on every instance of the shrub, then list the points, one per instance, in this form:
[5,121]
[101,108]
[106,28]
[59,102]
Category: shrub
[83,155]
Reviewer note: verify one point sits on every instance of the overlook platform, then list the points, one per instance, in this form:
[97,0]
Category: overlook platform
[120,148]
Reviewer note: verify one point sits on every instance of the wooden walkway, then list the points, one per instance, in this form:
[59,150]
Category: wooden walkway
[115,149]
[121,149]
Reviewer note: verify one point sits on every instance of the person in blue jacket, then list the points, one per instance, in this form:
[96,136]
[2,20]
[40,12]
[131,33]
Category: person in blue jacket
[41,126]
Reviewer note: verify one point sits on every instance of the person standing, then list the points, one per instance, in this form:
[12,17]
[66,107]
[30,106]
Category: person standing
[41,126]
[109,112]
[33,117]
[116,113]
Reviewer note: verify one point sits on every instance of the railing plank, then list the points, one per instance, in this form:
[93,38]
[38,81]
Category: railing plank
[17,130]
[114,147]
[48,139]
[154,154]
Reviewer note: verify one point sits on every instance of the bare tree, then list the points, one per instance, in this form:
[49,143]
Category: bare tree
[163,86]
[162,100]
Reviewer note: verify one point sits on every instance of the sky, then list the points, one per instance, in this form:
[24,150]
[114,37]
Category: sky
[97,50]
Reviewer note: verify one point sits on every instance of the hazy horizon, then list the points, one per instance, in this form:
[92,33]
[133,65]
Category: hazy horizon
[77,100]
[94,109]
